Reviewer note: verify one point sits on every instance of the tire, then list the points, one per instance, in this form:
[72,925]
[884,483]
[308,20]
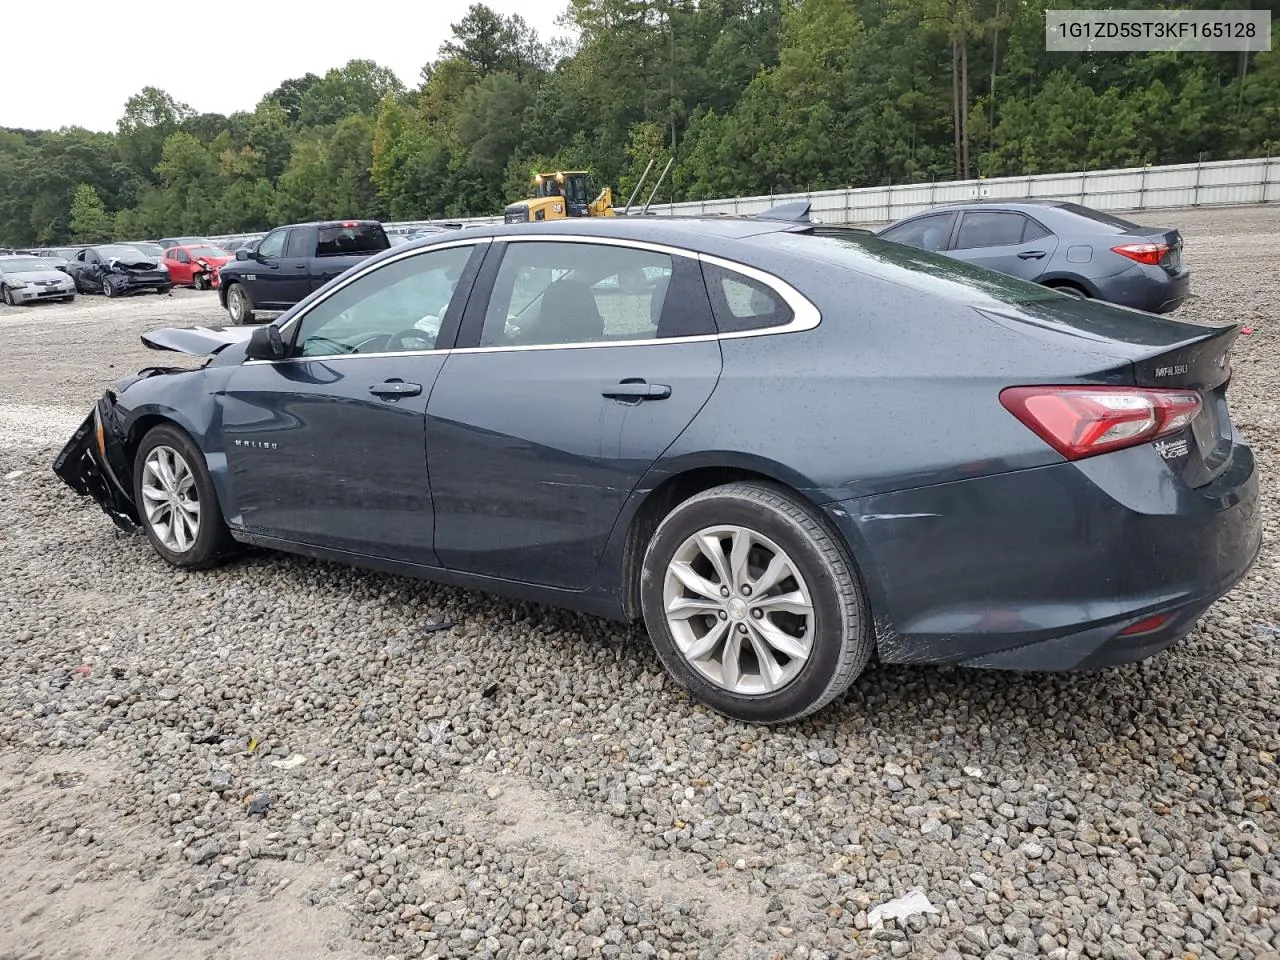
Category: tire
[201,282]
[239,305]
[164,291]
[1065,286]
[75,282]
[70,299]
[832,642]
[175,542]
[8,296]
[108,288]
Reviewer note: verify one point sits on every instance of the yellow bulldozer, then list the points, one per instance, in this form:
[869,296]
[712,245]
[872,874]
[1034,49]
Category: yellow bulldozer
[566,193]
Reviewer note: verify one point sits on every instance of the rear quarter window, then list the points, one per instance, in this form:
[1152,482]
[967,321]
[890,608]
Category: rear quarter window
[348,239]
[740,303]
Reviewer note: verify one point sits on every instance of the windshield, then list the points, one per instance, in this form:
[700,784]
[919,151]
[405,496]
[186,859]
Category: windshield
[22,265]
[120,251]
[150,249]
[208,252]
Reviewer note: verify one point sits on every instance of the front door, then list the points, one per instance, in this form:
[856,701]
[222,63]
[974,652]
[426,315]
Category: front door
[270,283]
[585,363]
[327,447]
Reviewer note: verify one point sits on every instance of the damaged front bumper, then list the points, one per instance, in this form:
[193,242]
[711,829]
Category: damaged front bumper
[85,464]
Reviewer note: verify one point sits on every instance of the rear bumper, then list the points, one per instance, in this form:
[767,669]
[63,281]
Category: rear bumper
[1042,569]
[1146,288]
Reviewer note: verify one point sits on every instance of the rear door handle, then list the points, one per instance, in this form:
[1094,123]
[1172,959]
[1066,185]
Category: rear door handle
[1031,255]
[396,388]
[634,391]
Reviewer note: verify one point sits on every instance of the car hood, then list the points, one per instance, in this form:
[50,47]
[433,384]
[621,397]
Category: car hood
[34,276]
[196,341]
[134,263]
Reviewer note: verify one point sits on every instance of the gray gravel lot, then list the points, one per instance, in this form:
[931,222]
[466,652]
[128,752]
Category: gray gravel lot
[288,759]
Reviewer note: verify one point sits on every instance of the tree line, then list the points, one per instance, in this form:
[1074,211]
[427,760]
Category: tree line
[749,96]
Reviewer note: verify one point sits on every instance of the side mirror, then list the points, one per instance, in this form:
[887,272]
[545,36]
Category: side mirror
[265,343]
[242,254]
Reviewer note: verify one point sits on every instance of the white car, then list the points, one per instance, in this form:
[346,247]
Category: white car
[25,279]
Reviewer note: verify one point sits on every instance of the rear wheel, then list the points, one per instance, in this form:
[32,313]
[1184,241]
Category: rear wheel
[176,500]
[239,305]
[1066,286]
[753,605]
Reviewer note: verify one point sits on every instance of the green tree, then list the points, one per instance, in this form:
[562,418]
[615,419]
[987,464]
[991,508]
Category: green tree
[90,222]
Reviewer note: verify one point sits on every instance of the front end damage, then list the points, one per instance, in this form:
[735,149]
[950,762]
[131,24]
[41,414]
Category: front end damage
[93,463]
[97,461]
[124,277]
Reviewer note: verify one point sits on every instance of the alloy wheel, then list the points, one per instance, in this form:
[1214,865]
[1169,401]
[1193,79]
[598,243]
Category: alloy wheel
[739,610]
[170,499]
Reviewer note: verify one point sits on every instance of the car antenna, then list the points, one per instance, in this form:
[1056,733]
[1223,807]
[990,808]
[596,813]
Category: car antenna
[794,212]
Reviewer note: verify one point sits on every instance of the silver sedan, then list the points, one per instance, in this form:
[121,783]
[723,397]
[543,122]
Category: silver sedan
[25,279]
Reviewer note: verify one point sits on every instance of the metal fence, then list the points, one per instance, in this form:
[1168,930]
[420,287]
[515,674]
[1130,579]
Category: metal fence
[1215,183]
[1218,182]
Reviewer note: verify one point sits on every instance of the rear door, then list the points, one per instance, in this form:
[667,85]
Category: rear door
[327,446]
[578,368]
[1004,240]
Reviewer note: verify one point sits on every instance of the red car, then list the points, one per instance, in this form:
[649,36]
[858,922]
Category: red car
[196,265]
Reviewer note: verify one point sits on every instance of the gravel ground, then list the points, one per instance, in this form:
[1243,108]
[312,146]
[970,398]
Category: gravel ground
[286,759]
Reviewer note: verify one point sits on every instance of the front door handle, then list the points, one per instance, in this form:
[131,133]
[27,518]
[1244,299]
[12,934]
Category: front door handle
[1031,255]
[634,391]
[396,388]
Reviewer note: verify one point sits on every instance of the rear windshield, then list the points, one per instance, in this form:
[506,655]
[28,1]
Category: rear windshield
[1117,224]
[916,268]
[347,239]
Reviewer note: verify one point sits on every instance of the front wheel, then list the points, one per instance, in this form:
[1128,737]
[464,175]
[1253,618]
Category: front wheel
[239,305]
[176,500]
[753,605]
[108,288]
[8,296]
[201,282]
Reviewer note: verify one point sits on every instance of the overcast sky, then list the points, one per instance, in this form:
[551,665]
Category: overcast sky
[100,54]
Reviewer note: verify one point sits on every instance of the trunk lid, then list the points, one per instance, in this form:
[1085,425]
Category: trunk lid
[1161,353]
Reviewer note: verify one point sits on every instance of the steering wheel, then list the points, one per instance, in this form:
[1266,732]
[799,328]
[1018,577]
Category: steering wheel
[410,338]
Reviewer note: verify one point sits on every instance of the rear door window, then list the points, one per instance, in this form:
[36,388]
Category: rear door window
[989,229]
[342,240]
[1033,231]
[297,248]
[558,293]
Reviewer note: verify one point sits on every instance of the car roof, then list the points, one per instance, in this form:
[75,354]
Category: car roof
[694,233]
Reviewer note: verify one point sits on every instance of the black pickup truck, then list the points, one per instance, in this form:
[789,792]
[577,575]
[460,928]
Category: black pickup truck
[289,262]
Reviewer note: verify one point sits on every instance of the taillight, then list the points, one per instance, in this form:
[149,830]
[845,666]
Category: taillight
[1080,421]
[1149,253]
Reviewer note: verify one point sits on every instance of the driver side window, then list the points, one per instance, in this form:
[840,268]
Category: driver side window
[273,244]
[395,308]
